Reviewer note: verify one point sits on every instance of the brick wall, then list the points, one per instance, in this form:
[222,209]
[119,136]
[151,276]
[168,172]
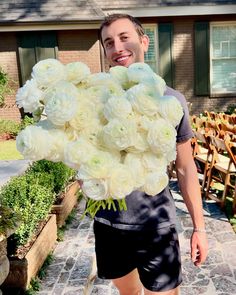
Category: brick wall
[183,52]
[8,62]
[80,46]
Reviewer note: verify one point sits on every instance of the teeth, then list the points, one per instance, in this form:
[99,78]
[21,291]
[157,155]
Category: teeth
[122,58]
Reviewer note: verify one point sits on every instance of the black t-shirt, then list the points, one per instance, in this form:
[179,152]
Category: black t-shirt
[144,211]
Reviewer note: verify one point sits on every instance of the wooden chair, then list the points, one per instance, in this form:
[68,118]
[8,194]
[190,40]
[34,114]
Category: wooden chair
[202,154]
[221,169]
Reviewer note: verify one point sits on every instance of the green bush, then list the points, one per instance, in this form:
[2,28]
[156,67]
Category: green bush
[8,220]
[27,196]
[10,127]
[60,173]
[4,86]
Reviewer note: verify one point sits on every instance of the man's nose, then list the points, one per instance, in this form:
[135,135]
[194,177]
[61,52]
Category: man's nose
[118,46]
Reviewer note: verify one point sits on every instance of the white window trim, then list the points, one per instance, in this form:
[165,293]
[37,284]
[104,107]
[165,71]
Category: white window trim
[220,24]
[156,49]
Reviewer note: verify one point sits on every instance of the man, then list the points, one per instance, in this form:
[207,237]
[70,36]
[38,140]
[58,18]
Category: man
[138,249]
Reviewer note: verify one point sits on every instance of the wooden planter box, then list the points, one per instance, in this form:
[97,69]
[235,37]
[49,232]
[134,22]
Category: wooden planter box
[23,270]
[68,203]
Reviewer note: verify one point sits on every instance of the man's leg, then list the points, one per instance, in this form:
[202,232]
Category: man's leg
[129,284]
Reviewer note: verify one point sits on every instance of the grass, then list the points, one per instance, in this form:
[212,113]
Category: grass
[9,151]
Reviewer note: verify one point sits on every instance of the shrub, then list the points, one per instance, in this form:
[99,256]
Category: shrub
[10,127]
[60,173]
[9,220]
[27,196]
[4,86]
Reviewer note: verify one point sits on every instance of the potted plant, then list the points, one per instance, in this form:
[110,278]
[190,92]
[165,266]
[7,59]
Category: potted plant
[31,197]
[63,185]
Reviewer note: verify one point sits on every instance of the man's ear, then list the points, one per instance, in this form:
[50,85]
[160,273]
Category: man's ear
[145,42]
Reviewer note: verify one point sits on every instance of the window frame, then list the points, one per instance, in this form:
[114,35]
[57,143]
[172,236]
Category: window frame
[212,25]
[156,43]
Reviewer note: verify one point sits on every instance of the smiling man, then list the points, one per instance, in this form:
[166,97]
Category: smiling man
[138,249]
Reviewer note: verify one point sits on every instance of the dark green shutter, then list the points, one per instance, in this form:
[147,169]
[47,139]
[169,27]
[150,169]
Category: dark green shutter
[166,65]
[47,46]
[33,47]
[201,58]
[27,58]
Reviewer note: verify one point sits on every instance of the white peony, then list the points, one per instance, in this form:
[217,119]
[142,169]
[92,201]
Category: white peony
[119,134]
[152,162]
[47,72]
[143,99]
[120,74]
[139,72]
[78,152]
[61,103]
[34,143]
[161,137]
[170,109]
[120,181]
[76,72]
[155,182]
[96,189]
[97,166]
[134,162]
[117,107]
[84,115]
[28,97]
[58,141]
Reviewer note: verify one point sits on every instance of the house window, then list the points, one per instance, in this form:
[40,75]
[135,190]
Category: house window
[152,53]
[223,58]
[33,47]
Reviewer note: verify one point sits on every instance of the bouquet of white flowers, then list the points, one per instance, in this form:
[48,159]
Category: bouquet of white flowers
[117,129]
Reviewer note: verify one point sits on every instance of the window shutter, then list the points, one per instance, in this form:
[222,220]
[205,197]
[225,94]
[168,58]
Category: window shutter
[166,65]
[33,47]
[201,55]
[27,58]
[47,46]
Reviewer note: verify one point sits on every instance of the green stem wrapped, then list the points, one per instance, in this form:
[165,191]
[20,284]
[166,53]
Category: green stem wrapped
[93,206]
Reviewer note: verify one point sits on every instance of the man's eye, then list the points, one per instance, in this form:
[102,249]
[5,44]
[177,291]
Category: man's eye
[124,38]
[108,44]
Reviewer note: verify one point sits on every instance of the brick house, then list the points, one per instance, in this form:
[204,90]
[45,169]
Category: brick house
[193,43]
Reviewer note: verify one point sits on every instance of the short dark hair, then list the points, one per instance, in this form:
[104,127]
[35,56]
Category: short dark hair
[113,17]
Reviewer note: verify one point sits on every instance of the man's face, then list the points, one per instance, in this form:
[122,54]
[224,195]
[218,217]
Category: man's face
[123,46]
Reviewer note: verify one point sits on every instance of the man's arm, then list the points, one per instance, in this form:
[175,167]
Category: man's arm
[190,189]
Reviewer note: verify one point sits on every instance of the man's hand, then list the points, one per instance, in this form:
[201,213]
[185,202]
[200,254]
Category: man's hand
[199,247]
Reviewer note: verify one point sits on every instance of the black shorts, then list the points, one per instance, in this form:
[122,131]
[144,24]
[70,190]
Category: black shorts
[155,254]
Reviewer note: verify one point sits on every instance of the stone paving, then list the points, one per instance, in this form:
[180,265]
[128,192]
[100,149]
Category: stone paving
[73,270]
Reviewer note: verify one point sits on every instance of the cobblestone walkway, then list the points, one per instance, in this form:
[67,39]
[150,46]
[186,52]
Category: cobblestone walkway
[73,271]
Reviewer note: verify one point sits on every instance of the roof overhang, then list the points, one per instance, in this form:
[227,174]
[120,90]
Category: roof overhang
[48,26]
[177,10]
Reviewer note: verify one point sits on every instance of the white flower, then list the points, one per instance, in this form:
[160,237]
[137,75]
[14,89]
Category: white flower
[134,162]
[78,152]
[161,137]
[120,74]
[47,72]
[139,72]
[58,141]
[117,107]
[120,182]
[170,109]
[97,166]
[28,97]
[33,143]
[155,182]
[106,80]
[76,72]
[119,134]
[61,103]
[84,116]
[96,189]
[143,99]
[153,163]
